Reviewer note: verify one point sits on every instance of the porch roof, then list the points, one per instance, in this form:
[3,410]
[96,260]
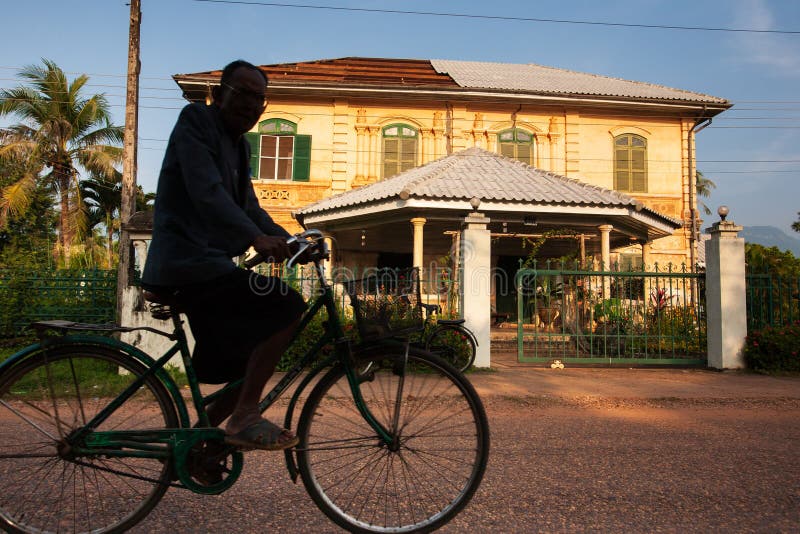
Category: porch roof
[507,190]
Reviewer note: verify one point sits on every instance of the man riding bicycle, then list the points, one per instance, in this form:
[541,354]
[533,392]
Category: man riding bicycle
[206,213]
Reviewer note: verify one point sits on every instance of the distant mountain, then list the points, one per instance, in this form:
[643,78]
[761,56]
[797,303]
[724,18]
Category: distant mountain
[769,236]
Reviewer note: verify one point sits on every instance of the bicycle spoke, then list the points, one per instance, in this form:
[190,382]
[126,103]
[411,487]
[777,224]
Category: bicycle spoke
[29,420]
[416,482]
[57,485]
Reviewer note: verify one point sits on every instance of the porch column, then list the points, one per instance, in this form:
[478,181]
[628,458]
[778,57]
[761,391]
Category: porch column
[646,256]
[140,251]
[605,256]
[725,294]
[418,223]
[476,252]
[648,282]
[327,264]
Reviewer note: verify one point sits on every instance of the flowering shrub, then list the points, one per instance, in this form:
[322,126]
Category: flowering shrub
[774,348]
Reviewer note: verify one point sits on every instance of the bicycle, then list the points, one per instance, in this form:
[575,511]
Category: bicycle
[94,431]
[449,339]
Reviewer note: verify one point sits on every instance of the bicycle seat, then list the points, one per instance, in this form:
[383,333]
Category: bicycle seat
[160,298]
[161,304]
[450,321]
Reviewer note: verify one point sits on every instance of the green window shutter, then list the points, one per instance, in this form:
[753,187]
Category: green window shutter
[408,149]
[391,155]
[516,144]
[630,163]
[507,150]
[302,158]
[254,140]
[525,154]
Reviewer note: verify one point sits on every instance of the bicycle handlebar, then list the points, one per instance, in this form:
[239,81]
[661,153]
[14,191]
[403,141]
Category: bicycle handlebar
[312,241]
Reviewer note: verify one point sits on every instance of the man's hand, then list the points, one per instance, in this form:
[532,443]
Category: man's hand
[273,249]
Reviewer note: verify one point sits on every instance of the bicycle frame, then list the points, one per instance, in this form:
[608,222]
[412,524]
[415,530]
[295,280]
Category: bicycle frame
[162,443]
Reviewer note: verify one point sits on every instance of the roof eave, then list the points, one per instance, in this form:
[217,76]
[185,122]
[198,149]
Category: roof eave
[660,224]
[199,86]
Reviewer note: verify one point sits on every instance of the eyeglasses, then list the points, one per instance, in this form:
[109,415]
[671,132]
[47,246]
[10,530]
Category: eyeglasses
[251,96]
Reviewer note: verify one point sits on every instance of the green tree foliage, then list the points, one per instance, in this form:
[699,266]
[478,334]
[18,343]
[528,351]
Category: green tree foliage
[703,187]
[144,201]
[27,239]
[761,259]
[61,131]
[102,199]
[796,224]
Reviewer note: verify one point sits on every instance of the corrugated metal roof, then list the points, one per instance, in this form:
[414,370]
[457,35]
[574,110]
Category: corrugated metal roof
[475,172]
[439,74]
[349,70]
[549,80]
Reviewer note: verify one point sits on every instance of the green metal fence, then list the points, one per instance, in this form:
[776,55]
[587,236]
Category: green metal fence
[437,286]
[772,300]
[75,295]
[611,317]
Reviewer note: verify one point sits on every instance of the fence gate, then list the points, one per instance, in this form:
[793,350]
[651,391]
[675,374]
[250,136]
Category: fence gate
[611,317]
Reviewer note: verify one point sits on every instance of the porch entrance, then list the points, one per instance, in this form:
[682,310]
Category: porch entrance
[580,316]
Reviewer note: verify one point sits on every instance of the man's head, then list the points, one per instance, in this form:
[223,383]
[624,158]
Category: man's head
[241,96]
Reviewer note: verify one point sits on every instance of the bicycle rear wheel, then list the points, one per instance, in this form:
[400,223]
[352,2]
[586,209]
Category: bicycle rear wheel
[453,345]
[46,486]
[420,481]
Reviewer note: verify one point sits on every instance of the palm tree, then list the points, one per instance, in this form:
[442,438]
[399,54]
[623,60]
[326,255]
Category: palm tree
[61,131]
[144,201]
[102,199]
[703,187]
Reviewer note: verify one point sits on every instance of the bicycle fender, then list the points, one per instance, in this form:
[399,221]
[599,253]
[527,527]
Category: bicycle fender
[130,350]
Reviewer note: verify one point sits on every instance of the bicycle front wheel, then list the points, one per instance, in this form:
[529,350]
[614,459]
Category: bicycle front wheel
[47,487]
[453,345]
[425,476]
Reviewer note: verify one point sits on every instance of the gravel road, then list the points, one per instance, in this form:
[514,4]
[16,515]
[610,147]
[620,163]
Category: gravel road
[581,464]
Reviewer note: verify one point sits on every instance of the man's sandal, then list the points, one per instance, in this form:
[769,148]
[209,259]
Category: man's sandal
[263,435]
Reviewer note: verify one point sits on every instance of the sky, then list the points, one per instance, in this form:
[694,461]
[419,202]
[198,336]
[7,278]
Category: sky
[751,152]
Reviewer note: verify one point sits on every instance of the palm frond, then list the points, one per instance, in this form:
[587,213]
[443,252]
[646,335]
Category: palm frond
[16,198]
[100,159]
[107,134]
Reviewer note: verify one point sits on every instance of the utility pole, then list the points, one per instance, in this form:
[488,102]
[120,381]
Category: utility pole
[128,205]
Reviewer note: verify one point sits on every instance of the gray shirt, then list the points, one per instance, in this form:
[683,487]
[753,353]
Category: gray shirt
[206,211]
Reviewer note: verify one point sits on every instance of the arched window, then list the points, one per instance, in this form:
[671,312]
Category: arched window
[399,149]
[630,163]
[277,152]
[516,144]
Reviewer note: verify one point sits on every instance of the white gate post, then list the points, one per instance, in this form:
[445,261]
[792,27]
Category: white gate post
[725,294]
[476,252]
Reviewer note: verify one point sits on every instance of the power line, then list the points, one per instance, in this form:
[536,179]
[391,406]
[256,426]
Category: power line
[6,67]
[501,17]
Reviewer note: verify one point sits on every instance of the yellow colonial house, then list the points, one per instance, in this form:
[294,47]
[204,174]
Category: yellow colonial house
[471,165]
[335,126]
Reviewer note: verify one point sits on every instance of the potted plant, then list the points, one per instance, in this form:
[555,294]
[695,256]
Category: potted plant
[547,304]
